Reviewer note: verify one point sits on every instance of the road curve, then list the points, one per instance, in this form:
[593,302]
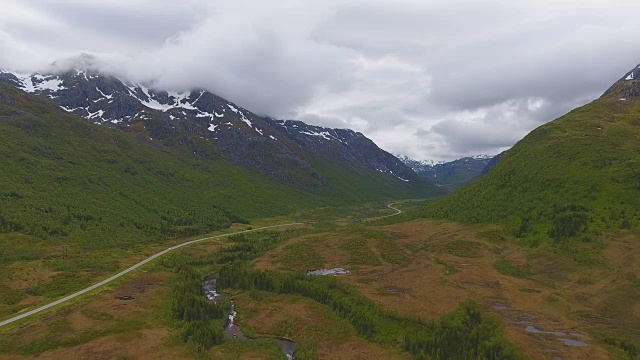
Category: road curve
[390,206]
[124,272]
[398,211]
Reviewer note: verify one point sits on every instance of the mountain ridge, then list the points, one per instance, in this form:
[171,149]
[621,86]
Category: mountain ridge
[280,149]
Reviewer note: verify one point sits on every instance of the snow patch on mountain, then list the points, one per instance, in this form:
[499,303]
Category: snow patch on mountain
[324,134]
[32,83]
[482,157]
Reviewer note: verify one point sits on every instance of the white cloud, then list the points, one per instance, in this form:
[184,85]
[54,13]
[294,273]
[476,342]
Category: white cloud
[429,79]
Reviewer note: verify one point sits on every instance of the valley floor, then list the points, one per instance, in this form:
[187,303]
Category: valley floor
[416,270]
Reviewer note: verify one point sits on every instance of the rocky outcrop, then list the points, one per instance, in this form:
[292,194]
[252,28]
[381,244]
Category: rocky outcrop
[628,87]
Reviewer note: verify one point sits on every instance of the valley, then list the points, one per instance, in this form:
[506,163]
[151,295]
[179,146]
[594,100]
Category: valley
[141,222]
[417,270]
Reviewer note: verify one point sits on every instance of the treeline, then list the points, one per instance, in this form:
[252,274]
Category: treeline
[465,334]
[95,225]
[569,222]
[200,322]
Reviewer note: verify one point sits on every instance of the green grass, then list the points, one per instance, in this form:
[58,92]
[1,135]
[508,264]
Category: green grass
[508,268]
[181,308]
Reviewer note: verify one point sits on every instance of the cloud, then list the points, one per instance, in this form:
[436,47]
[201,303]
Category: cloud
[262,67]
[142,22]
[429,79]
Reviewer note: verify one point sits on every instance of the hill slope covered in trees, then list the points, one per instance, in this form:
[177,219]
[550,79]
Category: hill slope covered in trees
[571,178]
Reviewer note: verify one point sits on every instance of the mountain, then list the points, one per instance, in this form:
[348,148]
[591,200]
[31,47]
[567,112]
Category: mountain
[452,173]
[571,178]
[289,152]
[193,164]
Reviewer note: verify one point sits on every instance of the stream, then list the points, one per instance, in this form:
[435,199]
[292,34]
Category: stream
[232,330]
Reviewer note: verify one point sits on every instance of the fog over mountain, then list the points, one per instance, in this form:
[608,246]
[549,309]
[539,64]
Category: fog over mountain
[426,79]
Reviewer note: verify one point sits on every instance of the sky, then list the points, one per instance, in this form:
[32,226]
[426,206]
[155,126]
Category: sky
[427,79]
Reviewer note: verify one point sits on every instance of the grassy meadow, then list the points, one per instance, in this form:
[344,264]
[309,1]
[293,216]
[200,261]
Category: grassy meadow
[410,284]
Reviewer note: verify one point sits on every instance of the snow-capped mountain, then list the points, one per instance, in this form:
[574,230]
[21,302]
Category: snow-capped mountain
[453,173]
[281,149]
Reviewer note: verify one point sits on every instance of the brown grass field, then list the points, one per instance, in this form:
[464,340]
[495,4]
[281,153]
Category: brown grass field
[418,269]
[426,268]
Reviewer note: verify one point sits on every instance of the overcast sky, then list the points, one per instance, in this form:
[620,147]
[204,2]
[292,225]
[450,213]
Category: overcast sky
[429,79]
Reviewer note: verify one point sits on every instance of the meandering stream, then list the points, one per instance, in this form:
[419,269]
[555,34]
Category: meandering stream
[232,330]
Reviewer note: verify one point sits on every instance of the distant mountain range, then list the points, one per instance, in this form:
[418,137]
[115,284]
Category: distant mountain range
[453,174]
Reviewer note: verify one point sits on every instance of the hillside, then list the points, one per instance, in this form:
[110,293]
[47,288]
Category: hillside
[66,178]
[492,163]
[571,178]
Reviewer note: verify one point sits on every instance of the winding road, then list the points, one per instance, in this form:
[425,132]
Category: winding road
[150,258]
[390,206]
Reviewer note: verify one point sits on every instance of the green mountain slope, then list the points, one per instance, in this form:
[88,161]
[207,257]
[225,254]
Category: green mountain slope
[570,178]
[63,177]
